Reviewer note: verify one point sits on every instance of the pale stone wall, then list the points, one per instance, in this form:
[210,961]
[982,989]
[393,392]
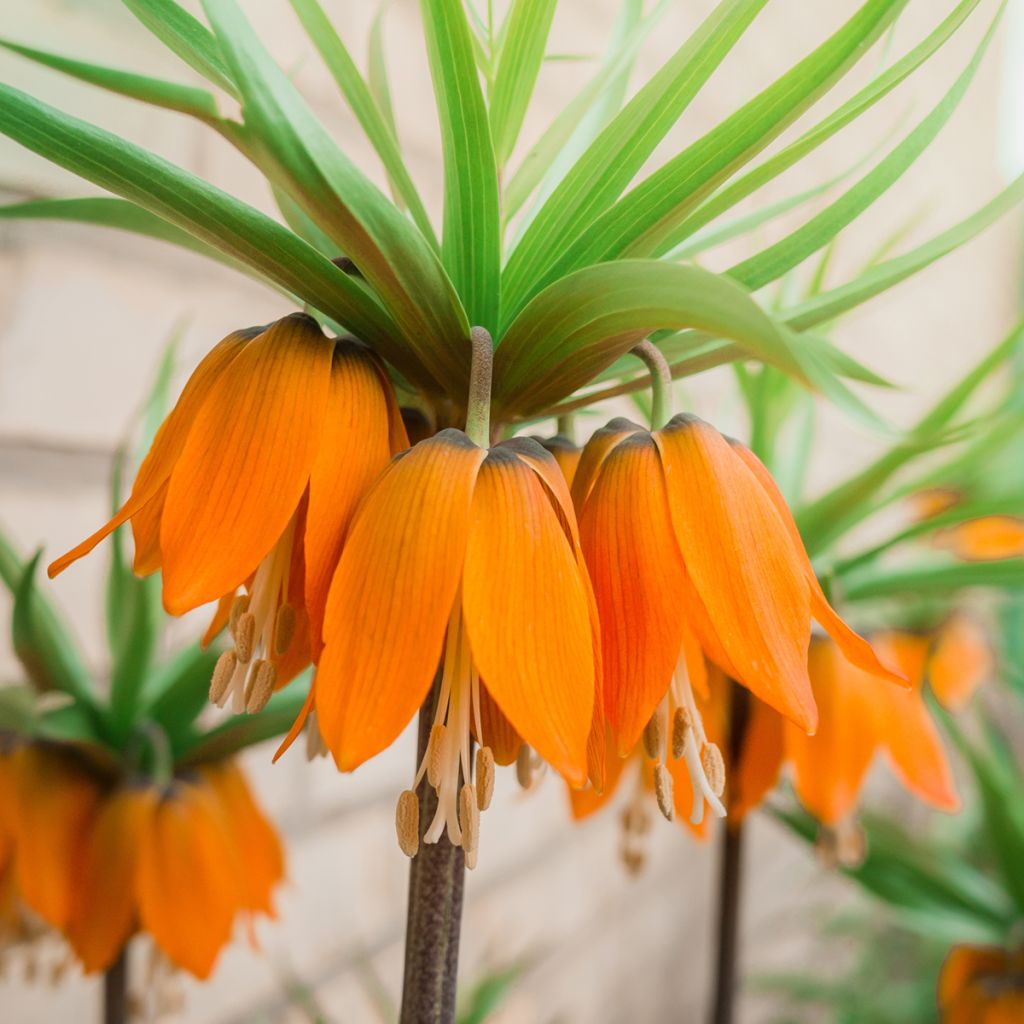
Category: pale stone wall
[83,317]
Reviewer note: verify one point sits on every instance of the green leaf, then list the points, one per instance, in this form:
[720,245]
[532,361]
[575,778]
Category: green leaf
[187,99]
[789,252]
[529,22]
[360,99]
[41,643]
[178,691]
[471,243]
[191,40]
[610,163]
[222,221]
[394,258]
[584,109]
[582,323]
[860,103]
[17,709]
[933,577]
[243,731]
[377,69]
[837,301]
[642,222]
[107,212]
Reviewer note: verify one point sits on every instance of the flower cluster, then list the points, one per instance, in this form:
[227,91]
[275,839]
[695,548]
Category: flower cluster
[100,860]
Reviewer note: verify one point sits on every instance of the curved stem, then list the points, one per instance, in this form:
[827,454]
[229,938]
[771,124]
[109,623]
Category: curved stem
[730,885]
[434,918]
[115,990]
[478,403]
[661,382]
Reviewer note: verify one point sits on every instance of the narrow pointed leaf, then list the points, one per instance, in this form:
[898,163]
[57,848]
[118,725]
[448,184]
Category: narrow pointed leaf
[360,99]
[185,36]
[187,99]
[471,241]
[522,53]
[392,255]
[597,179]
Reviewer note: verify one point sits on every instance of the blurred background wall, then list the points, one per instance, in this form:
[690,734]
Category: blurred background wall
[85,314]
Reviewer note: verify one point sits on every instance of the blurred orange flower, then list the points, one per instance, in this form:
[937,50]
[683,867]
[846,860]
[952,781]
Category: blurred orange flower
[466,557]
[982,985]
[100,862]
[251,481]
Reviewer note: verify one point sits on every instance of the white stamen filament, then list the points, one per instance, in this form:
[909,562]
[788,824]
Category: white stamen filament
[255,625]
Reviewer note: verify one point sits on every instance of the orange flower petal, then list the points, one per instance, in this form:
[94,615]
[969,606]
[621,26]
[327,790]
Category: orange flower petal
[57,802]
[566,455]
[743,565]
[960,661]
[186,883]
[595,452]
[146,534]
[636,569]
[392,595]
[104,916]
[906,730]
[760,762]
[526,613]
[245,464]
[259,856]
[221,615]
[990,538]
[585,802]
[353,450]
[829,767]
[856,649]
[501,735]
[168,444]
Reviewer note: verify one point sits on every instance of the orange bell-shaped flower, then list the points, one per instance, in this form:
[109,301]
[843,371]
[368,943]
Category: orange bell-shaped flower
[982,985]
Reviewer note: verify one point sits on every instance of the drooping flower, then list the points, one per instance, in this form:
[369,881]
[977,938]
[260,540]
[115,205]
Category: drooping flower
[100,860]
[251,482]
[565,453]
[982,985]
[692,551]
[463,557]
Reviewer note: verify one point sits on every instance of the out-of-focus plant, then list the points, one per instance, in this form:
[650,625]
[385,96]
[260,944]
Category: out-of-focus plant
[122,813]
[455,578]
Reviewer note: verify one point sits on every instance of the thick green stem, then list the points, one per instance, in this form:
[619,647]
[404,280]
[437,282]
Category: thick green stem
[661,382]
[115,990]
[434,918]
[478,404]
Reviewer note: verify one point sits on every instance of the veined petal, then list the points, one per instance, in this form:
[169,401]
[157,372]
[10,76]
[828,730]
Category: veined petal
[103,918]
[392,595]
[829,767]
[398,437]
[585,802]
[856,649]
[56,804]
[168,444]
[906,730]
[526,613]
[742,564]
[259,856]
[146,534]
[566,455]
[959,662]
[353,450]
[595,452]
[245,464]
[501,735]
[186,882]
[754,776]
[636,569]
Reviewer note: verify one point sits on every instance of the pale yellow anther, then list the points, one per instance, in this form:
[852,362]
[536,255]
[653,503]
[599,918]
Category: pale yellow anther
[245,636]
[682,726]
[484,777]
[663,791]
[284,628]
[524,767]
[223,672]
[239,607]
[262,681]
[469,823]
[713,763]
[435,755]
[654,736]
[407,823]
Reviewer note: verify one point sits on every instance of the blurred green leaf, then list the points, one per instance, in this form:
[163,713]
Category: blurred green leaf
[936,576]
[178,691]
[487,995]
[471,242]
